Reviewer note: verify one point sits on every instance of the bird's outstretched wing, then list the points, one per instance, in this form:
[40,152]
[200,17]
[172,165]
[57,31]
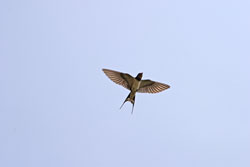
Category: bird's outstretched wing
[120,78]
[148,86]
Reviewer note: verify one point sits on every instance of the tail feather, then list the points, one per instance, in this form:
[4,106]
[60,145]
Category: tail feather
[127,99]
[123,104]
[131,100]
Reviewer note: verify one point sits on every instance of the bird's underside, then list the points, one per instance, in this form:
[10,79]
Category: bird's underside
[135,84]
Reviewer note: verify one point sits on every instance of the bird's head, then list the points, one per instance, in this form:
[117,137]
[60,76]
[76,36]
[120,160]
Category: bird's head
[139,76]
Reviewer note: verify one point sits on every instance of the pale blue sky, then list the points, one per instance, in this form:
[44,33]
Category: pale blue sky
[57,108]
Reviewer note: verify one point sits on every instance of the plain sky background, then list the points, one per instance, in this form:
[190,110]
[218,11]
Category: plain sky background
[58,109]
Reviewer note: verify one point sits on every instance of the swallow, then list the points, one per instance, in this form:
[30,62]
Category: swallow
[134,84]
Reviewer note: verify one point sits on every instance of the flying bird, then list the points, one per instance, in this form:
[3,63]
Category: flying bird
[134,84]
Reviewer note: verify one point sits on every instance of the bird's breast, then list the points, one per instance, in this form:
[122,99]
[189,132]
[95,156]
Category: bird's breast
[135,85]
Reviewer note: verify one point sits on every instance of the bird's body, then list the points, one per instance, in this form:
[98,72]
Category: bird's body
[134,84]
[133,89]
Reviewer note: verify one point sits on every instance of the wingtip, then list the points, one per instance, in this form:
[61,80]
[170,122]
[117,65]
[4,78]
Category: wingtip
[105,70]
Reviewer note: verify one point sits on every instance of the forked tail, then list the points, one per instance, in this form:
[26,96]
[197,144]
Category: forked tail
[131,99]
